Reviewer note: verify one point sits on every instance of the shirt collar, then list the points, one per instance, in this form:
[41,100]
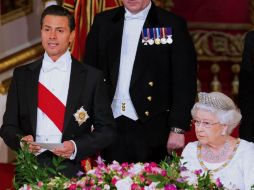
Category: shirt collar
[62,63]
[140,15]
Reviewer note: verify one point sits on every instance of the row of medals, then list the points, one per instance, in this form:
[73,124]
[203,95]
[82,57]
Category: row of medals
[158,35]
[157,41]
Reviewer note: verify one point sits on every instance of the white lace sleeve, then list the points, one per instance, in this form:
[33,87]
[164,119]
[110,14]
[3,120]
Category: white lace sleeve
[248,166]
[189,153]
[189,158]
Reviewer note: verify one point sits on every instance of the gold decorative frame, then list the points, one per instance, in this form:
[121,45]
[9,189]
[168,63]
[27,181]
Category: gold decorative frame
[212,45]
[218,26]
[23,9]
[218,46]
[215,43]
[4,86]
[16,59]
[21,57]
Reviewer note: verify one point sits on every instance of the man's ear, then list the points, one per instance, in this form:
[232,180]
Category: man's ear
[72,36]
[71,40]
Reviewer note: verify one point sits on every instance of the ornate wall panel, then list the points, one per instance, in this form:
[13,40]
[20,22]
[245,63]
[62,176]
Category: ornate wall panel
[13,9]
[218,30]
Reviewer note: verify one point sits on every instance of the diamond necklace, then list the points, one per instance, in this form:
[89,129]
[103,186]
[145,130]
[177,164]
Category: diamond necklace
[210,155]
[223,165]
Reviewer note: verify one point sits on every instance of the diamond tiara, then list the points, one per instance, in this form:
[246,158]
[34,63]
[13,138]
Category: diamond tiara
[216,100]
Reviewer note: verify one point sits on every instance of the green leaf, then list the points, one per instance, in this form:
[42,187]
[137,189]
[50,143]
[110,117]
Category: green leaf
[52,171]
[29,171]
[155,178]
[160,185]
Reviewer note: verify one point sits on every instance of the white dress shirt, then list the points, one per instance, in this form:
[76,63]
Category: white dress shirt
[55,76]
[133,24]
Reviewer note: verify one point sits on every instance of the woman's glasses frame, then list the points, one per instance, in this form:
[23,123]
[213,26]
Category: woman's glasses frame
[205,124]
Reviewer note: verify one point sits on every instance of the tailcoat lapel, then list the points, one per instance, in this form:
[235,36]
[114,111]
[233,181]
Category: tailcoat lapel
[139,65]
[115,45]
[78,74]
[32,92]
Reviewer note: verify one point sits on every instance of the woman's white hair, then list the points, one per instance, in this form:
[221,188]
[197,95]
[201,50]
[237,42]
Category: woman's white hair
[221,106]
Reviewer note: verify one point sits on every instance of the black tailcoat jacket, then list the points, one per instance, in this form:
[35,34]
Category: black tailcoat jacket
[86,88]
[246,89]
[163,80]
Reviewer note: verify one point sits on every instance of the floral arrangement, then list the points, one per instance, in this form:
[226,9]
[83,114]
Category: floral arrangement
[126,176]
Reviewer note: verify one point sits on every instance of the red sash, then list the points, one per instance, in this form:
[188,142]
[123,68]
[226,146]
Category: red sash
[51,106]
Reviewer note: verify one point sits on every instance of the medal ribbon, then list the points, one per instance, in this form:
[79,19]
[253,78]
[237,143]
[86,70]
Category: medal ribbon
[169,31]
[148,33]
[144,35]
[51,106]
[163,32]
[151,34]
[157,32]
[154,33]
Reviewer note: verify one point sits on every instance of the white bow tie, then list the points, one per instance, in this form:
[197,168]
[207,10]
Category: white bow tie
[49,66]
[129,16]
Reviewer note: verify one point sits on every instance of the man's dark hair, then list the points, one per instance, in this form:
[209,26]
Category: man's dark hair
[57,10]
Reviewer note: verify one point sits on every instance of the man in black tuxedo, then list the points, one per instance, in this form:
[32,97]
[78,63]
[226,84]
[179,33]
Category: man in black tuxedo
[57,99]
[149,66]
[246,89]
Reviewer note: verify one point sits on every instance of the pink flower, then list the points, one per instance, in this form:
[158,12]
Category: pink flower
[90,182]
[198,172]
[135,186]
[218,183]
[164,173]
[40,184]
[180,180]
[183,168]
[114,180]
[170,187]
[148,169]
[27,187]
[73,187]
[142,178]
[80,173]
[153,164]
[125,165]
[115,166]
[156,170]
[100,162]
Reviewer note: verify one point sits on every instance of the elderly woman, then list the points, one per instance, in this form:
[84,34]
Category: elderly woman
[227,158]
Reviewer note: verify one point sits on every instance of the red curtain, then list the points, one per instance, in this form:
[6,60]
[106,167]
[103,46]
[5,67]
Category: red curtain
[215,11]
[228,17]
[84,11]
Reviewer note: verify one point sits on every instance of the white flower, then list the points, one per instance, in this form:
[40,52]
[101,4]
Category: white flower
[81,116]
[25,187]
[152,186]
[92,172]
[106,187]
[191,177]
[124,184]
[136,169]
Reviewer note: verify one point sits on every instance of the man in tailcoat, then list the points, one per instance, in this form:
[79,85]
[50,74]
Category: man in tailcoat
[149,66]
[57,100]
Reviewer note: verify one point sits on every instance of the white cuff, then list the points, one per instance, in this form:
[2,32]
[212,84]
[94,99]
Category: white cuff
[73,156]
